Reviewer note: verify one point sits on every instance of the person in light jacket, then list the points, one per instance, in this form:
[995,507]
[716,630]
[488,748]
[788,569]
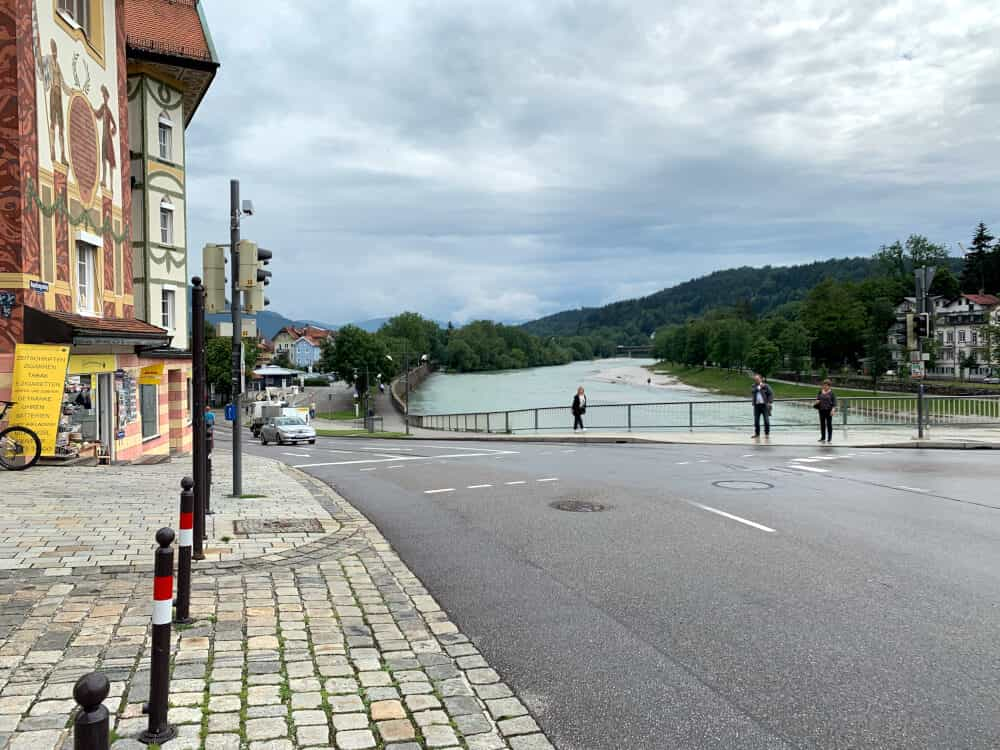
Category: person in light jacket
[761,396]
[579,409]
[826,405]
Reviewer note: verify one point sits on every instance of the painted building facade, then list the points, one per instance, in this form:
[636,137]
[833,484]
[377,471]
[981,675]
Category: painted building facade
[66,258]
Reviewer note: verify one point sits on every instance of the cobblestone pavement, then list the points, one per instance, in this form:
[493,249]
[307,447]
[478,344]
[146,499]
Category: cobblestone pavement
[59,518]
[328,644]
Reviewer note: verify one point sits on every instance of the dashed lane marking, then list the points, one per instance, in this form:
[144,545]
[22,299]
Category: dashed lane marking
[519,481]
[813,469]
[478,486]
[368,468]
[909,489]
[438,492]
[397,466]
[297,455]
[683,463]
[548,479]
[393,458]
[731,517]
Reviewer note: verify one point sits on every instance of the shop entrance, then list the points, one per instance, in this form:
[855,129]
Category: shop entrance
[106,415]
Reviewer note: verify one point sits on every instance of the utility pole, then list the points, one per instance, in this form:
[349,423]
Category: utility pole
[234,305]
[406,380]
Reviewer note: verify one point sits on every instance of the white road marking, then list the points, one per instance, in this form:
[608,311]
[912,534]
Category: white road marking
[810,468]
[394,458]
[703,461]
[369,468]
[460,448]
[571,450]
[297,455]
[435,492]
[477,486]
[517,482]
[397,466]
[334,450]
[747,455]
[910,489]
[548,479]
[731,517]
[683,463]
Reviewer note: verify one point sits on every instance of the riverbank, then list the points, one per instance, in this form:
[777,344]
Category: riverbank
[733,383]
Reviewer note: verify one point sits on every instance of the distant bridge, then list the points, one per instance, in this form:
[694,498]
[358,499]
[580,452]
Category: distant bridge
[630,350]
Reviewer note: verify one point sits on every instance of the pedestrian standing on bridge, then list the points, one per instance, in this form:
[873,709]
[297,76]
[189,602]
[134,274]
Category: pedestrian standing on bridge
[826,405]
[579,409]
[762,396]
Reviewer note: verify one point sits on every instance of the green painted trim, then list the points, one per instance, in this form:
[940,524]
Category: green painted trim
[157,96]
[207,32]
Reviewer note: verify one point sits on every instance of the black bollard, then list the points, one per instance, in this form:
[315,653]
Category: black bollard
[210,438]
[183,614]
[91,730]
[158,730]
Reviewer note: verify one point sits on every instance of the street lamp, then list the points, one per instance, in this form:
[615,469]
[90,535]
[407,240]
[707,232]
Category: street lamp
[406,383]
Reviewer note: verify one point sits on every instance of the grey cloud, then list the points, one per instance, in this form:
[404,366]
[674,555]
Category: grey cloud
[468,159]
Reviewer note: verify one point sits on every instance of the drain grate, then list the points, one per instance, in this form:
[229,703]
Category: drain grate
[743,485]
[578,506]
[246,527]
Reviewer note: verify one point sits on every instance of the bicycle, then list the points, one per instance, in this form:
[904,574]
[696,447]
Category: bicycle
[19,446]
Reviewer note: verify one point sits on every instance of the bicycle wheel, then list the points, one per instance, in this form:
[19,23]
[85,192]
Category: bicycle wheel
[19,448]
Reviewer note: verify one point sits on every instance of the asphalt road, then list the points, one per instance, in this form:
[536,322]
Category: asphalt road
[849,600]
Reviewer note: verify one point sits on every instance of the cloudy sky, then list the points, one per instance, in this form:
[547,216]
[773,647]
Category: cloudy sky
[511,159]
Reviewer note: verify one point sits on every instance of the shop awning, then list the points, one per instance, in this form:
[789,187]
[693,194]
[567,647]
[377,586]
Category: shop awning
[51,327]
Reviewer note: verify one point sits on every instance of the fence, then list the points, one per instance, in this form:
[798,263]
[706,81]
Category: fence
[859,411]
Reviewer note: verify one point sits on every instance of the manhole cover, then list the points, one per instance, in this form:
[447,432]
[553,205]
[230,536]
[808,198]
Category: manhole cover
[738,485]
[578,506]
[247,527]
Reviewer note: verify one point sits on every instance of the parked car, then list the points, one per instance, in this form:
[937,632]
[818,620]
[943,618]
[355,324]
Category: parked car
[282,430]
[993,380]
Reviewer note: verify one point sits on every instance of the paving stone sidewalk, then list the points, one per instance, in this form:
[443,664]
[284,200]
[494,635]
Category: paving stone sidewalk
[327,644]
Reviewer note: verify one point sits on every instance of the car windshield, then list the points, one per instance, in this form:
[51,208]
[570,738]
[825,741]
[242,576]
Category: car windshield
[289,421]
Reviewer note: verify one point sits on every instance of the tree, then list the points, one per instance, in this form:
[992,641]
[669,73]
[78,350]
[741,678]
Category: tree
[945,284]
[978,263]
[794,344]
[969,362]
[880,318]
[356,357]
[219,358]
[763,357]
[835,318]
[990,337]
[281,359]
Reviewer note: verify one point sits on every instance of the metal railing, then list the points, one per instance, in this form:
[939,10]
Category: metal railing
[854,411]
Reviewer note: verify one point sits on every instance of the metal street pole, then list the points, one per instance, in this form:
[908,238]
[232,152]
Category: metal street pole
[198,409]
[234,254]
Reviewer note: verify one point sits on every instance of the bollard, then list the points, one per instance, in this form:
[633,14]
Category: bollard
[183,614]
[158,730]
[91,730]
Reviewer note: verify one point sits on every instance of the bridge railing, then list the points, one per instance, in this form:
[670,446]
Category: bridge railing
[853,412]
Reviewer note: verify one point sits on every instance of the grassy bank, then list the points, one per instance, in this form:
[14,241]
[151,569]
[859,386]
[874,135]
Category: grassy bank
[336,415]
[738,384]
[359,433]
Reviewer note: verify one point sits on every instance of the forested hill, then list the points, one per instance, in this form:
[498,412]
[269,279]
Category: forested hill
[765,288]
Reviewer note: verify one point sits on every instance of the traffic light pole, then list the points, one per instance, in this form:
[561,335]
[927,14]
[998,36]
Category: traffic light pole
[234,306]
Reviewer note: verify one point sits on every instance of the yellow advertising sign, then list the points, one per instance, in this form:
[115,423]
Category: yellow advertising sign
[39,380]
[87,364]
[151,374]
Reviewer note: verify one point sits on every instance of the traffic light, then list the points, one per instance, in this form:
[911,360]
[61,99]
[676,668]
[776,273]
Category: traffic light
[254,299]
[922,324]
[214,272]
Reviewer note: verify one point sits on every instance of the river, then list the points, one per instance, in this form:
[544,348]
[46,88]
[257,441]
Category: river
[607,381]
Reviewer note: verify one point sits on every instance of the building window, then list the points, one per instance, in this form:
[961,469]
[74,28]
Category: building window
[166,137]
[166,222]
[961,337]
[949,337]
[149,407]
[167,308]
[76,13]
[975,337]
[86,278]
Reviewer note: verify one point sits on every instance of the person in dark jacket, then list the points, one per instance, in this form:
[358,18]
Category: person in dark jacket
[761,396]
[826,405]
[579,409]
